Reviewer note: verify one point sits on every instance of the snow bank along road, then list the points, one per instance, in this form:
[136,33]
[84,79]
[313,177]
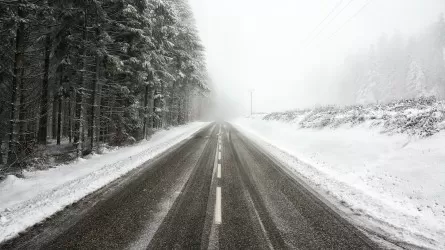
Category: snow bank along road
[389,184]
[27,201]
[216,190]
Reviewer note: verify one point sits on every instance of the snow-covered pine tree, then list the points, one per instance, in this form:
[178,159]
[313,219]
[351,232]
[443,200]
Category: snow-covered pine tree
[95,71]
[7,34]
[19,11]
[47,22]
[415,81]
[189,61]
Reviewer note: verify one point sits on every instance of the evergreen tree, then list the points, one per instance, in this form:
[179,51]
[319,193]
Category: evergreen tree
[95,72]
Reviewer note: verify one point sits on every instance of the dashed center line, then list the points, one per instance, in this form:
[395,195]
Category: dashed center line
[218,212]
[218,217]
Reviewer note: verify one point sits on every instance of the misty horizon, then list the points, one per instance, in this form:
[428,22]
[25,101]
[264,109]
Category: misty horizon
[291,61]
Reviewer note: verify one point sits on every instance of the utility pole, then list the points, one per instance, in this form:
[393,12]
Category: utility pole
[251,101]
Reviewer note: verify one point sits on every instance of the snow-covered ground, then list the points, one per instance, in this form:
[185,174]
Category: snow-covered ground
[392,184]
[27,201]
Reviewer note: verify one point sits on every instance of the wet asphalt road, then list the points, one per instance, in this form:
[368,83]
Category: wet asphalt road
[217,190]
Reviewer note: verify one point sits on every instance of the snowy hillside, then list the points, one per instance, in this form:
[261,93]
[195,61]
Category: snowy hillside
[422,117]
[382,165]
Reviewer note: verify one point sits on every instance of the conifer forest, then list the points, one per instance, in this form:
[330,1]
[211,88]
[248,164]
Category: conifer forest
[83,74]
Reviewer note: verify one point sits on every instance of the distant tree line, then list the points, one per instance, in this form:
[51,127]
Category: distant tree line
[397,68]
[95,72]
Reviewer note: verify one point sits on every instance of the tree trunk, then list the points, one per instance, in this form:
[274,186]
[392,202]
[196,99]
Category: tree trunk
[156,103]
[93,105]
[99,112]
[54,116]
[145,111]
[150,79]
[179,121]
[18,65]
[43,121]
[187,106]
[151,100]
[1,150]
[70,118]
[161,105]
[1,138]
[111,123]
[78,127]
[59,107]
[22,113]
[78,110]
[59,119]
[102,115]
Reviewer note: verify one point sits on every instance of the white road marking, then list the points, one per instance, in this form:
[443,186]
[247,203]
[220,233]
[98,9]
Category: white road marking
[218,218]
[219,155]
[219,171]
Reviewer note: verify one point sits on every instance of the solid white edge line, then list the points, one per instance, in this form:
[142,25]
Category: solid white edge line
[218,218]
[219,170]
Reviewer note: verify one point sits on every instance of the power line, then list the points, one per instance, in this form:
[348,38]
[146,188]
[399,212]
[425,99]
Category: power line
[320,31]
[326,18]
[347,21]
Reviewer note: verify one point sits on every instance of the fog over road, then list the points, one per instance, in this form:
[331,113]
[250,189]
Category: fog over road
[215,190]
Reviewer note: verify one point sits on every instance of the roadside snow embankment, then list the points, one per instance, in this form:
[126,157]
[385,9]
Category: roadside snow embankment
[25,202]
[391,184]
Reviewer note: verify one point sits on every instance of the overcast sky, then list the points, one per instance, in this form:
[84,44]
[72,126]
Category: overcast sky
[264,45]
